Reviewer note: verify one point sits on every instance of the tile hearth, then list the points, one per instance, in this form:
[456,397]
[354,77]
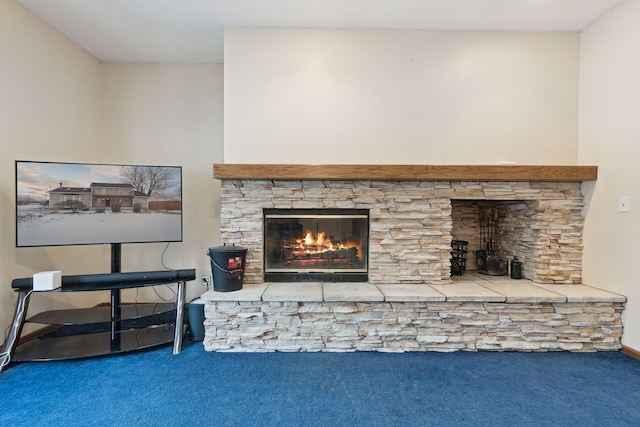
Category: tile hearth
[473,313]
[471,287]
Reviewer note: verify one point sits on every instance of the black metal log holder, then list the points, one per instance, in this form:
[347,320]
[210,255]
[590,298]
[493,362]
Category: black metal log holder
[458,257]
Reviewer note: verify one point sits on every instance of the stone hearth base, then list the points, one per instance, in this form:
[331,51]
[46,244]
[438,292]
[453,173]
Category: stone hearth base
[473,314]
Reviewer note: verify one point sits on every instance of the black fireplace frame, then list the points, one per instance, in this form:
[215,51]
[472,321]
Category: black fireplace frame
[315,276]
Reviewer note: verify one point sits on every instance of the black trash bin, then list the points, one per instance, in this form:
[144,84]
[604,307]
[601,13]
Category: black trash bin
[196,320]
[227,267]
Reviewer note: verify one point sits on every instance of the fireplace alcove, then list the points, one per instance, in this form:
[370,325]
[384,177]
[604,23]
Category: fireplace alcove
[513,232]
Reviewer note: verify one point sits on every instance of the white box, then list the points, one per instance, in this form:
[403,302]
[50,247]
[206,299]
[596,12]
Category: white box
[47,280]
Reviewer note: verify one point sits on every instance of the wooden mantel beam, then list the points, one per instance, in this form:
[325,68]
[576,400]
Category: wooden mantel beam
[337,172]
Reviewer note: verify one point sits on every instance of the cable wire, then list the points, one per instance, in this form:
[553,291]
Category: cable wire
[5,356]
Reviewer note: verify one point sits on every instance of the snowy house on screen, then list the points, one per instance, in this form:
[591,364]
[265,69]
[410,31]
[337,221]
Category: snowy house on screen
[98,195]
[70,196]
[105,195]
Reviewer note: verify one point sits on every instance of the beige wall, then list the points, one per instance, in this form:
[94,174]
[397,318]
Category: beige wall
[51,107]
[426,97]
[170,114]
[60,104]
[610,137]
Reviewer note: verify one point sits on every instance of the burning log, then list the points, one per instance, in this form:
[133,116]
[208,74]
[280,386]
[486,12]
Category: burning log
[343,253]
[320,247]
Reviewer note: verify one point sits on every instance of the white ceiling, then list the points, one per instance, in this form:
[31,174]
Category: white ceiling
[191,31]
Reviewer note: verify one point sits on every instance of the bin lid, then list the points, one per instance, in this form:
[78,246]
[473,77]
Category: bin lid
[228,248]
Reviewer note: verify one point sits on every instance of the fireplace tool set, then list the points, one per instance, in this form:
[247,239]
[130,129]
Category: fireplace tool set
[486,256]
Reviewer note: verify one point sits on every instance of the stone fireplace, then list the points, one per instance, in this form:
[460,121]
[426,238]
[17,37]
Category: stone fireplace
[409,300]
[412,222]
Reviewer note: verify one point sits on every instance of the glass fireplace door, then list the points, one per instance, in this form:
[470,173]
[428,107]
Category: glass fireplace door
[328,245]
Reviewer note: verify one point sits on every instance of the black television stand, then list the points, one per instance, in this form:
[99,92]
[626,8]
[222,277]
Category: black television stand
[105,333]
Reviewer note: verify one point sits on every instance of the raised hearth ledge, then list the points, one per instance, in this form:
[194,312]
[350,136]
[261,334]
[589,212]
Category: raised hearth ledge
[474,313]
[472,289]
[405,172]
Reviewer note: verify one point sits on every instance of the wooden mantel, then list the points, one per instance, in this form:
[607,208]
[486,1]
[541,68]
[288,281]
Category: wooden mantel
[336,172]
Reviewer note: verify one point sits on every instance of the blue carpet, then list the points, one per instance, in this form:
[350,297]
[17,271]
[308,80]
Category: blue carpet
[197,388]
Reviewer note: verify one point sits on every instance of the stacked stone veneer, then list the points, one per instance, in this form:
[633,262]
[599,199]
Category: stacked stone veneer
[411,228]
[256,326]
[411,223]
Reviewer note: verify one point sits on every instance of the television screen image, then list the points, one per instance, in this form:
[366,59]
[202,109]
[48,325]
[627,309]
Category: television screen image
[83,204]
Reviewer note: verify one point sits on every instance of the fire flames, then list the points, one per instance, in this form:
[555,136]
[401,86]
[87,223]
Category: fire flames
[320,244]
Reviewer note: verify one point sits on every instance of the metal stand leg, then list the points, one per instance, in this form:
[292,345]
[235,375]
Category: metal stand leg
[22,306]
[116,316]
[179,329]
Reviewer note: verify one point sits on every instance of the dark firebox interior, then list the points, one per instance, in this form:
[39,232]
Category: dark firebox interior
[310,245]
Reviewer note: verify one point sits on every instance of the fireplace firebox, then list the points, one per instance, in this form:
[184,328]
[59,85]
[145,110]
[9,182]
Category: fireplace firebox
[308,245]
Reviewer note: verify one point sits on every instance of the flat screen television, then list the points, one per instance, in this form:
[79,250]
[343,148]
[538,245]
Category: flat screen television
[60,204]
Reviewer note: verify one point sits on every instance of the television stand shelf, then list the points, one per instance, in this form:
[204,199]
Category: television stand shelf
[100,314]
[101,330]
